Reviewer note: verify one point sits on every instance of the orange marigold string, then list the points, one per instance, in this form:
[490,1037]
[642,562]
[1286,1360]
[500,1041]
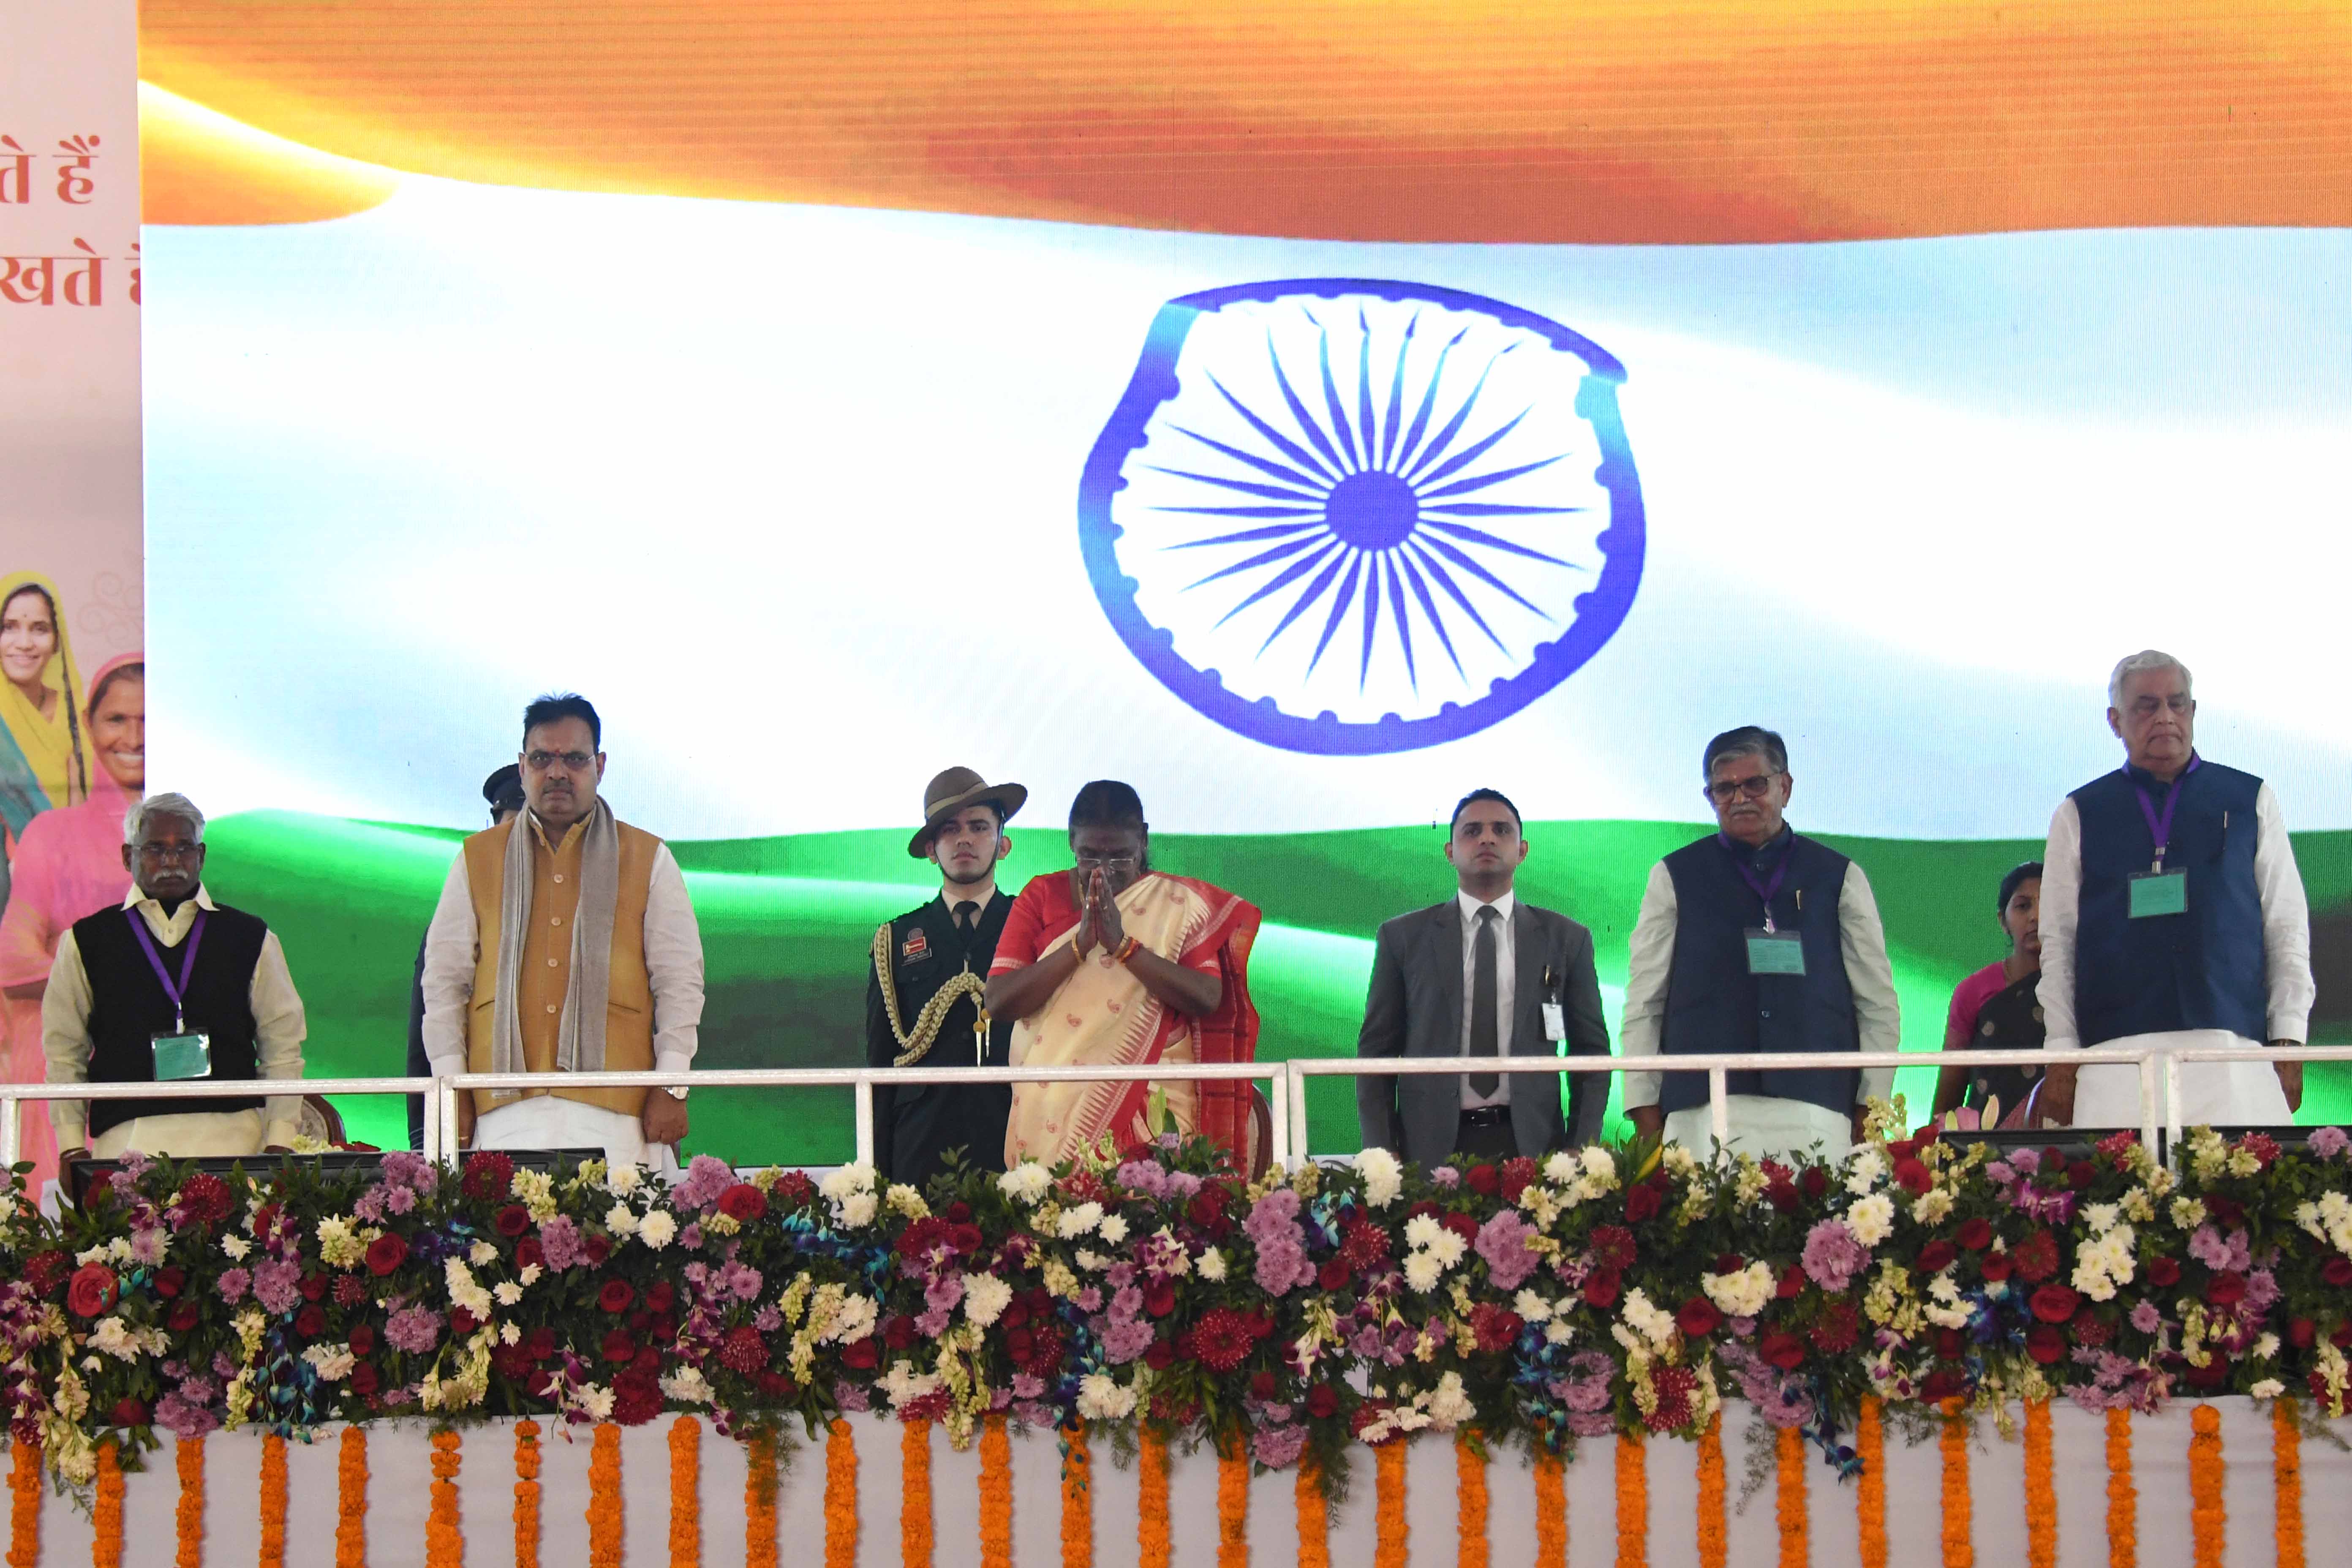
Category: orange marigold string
[273,1501]
[1551,1510]
[445,1544]
[1714,1537]
[760,1487]
[2123,1497]
[1151,1501]
[1233,1504]
[915,1533]
[605,1520]
[24,1506]
[1959,1536]
[106,1514]
[1632,1502]
[685,1493]
[1077,1500]
[188,1519]
[1870,1490]
[1387,1517]
[995,1496]
[1314,1514]
[350,1500]
[1789,1455]
[2208,1522]
[2041,1488]
[1470,1500]
[2287,1476]
[526,1494]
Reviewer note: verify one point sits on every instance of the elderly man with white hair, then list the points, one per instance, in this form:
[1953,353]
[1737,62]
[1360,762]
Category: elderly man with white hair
[169,987]
[2173,916]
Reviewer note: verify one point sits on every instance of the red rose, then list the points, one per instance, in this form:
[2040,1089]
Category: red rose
[1782,1349]
[1206,1211]
[958,1212]
[743,1203]
[1902,1149]
[386,1253]
[661,1296]
[512,1220]
[364,1379]
[1815,1181]
[1791,1284]
[618,1346]
[1951,1344]
[2164,1271]
[2337,1271]
[1322,1401]
[900,1334]
[1519,1175]
[1698,1318]
[1642,1203]
[636,1399]
[1912,1177]
[170,1282]
[1601,1288]
[2054,1303]
[600,1247]
[309,1322]
[129,1411]
[2228,1211]
[1976,1235]
[1160,1297]
[1729,1263]
[861,1354]
[528,1251]
[540,1341]
[1160,1356]
[462,1323]
[1461,1225]
[313,1286]
[362,1340]
[1782,1196]
[2210,1376]
[796,1188]
[2081,1175]
[1998,1266]
[1936,1256]
[2046,1342]
[182,1317]
[1944,1383]
[2301,1332]
[1484,1180]
[92,1290]
[2226,1288]
[1333,1275]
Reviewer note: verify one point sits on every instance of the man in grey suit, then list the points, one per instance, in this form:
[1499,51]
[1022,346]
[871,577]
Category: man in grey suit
[1481,974]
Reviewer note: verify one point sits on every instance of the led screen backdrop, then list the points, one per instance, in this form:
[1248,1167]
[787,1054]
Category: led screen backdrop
[1306,412]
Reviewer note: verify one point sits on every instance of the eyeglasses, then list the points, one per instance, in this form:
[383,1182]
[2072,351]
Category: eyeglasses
[162,853]
[539,762]
[1107,862]
[1722,791]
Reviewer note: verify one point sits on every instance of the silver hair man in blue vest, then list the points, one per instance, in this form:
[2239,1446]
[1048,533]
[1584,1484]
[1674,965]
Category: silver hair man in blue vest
[1758,939]
[2173,916]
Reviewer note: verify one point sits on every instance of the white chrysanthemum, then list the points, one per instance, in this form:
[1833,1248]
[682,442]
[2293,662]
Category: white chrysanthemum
[1743,1293]
[507,1292]
[236,1246]
[1422,1230]
[1212,1266]
[1598,1162]
[482,1254]
[1561,1168]
[2101,1217]
[1869,1170]
[1449,1404]
[2187,1213]
[621,1220]
[1113,1229]
[844,1180]
[116,1338]
[1558,1331]
[902,1199]
[1383,1176]
[595,1399]
[854,1319]
[856,1209]
[1531,1307]
[1871,1219]
[624,1179]
[1423,1272]
[1075,1222]
[338,1245]
[333,1362]
[1090,1260]
[2266,1348]
[1026,1182]
[1103,1398]
[985,1297]
[531,1275]
[1932,1206]
[2268,1388]
[688,1386]
[510,1334]
[658,1229]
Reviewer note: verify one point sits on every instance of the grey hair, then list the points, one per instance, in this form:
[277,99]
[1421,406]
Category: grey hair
[134,822]
[1747,741]
[2147,660]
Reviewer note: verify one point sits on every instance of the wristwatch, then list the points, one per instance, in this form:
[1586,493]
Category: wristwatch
[675,1090]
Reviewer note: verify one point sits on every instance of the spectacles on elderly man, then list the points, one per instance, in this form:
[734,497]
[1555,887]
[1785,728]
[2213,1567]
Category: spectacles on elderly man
[1754,788]
[539,762]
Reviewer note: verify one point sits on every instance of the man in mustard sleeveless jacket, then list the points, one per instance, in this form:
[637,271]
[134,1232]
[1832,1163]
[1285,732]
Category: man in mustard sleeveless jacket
[564,943]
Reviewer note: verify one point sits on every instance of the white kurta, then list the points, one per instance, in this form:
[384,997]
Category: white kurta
[546,1122]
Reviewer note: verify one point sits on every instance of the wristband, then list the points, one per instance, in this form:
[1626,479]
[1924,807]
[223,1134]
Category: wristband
[1126,950]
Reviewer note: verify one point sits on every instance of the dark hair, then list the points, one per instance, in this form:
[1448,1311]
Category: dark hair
[135,670]
[1105,802]
[74,763]
[1749,740]
[558,705]
[2029,871]
[1476,795]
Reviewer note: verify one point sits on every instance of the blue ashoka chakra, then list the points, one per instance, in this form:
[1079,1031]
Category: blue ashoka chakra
[1350,517]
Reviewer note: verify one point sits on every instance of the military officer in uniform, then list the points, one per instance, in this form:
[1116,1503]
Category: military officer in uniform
[925,984]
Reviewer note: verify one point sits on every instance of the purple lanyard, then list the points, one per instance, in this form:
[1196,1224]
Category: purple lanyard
[1762,888]
[187,963]
[2159,825]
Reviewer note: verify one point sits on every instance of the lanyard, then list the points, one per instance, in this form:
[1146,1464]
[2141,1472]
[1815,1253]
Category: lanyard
[187,963]
[1761,887]
[2159,825]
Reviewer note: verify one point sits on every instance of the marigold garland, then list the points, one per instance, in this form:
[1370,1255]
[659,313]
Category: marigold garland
[1470,1500]
[1551,1510]
[106,1513]
[915,1530]
[1314,1514]
[273,1501]
[2123,1497]
[685,1493]
[1714,1537]
[2287,1476]
[24,1506]
[1077,1500]
[1788,1454]
[1151,1501]
[1870,1491]
[761,1485]
[2208,1521]
[1632,1502]
[995,1499]
[526,1494]
[604,1517]
[188,1519]
[1388,1516]
[445,1544]
[1232,1505]
[1960,1542]
[2041,1488]
[350,1500]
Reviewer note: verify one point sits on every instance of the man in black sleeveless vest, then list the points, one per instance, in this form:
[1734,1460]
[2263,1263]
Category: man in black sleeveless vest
[943,951]
[1758,939]
[2173,916]
[170,985]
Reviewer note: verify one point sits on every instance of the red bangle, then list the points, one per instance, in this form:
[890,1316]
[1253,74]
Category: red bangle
[1126,950]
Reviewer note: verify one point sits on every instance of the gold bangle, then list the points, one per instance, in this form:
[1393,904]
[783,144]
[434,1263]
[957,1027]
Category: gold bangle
[1126,950]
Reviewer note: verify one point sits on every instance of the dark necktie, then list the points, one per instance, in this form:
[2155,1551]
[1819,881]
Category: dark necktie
[967,917]
[1485,1035]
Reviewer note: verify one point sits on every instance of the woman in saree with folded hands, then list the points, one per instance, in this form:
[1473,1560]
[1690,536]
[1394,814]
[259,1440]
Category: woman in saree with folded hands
[1114,964]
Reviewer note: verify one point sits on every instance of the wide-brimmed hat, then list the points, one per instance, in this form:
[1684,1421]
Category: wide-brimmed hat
[950,793]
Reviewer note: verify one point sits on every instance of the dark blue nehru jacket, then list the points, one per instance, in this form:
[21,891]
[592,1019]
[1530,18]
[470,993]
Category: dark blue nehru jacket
[2201,969]
[1715,1006]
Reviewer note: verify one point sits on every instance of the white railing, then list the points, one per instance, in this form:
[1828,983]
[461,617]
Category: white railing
[2263,1054]
[14,1094]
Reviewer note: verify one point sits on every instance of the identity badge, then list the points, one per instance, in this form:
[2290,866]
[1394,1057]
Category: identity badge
[182,1056]
[2158,893]
[1775,952]
[1554,1021]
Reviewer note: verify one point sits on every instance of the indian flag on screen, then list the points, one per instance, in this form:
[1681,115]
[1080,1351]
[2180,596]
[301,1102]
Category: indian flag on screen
[832,404]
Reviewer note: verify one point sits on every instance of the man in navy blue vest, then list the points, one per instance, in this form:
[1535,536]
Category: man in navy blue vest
[1758,939]
[2173,916]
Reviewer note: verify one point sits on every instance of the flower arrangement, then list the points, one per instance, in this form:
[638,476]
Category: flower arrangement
[1163,1298]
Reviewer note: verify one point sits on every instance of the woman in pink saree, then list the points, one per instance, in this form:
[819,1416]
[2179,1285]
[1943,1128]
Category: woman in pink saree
[69,864]
[1115,964]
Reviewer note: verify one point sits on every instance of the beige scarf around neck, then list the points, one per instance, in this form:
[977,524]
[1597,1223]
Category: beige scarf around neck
[580,1034]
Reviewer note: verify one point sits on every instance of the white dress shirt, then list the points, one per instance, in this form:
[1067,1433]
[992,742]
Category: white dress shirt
[2217,1092]
[278,1026]
[1506,989]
